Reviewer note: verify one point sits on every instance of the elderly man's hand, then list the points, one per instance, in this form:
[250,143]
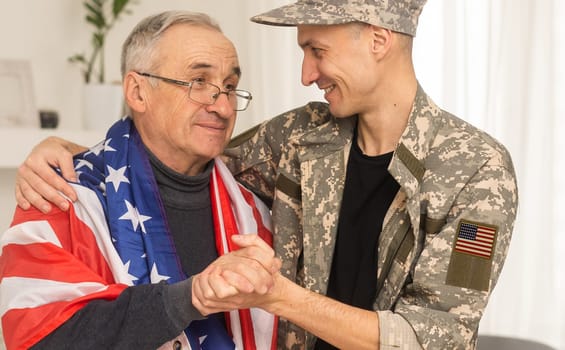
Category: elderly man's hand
[236,280]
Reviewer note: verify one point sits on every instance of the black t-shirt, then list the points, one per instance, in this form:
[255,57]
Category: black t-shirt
[369,190]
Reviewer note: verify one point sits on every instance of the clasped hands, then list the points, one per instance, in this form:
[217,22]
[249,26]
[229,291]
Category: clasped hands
[247,277]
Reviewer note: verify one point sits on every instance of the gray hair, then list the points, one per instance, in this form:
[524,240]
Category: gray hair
[138,50]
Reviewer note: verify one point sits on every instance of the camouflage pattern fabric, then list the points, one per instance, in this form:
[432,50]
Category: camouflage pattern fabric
[449,172]
[397,15]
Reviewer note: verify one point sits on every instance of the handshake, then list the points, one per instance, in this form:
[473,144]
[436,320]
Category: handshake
[245,278]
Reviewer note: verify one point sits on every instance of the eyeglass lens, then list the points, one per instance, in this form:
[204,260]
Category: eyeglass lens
[203,92]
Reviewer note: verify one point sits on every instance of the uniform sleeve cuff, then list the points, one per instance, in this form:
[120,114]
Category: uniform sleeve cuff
[396,332]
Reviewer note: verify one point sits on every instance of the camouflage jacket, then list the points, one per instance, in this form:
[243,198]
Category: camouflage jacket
[435,272]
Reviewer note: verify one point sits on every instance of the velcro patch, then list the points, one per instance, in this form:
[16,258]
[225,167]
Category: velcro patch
[475,239]
[288,187]
[471,259]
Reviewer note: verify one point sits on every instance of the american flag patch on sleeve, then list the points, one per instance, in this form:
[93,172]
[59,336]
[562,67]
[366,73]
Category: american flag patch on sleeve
[475,239]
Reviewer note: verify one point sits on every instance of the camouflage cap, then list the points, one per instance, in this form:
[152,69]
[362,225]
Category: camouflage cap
[397,15]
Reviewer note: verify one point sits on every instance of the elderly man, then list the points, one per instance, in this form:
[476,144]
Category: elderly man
[391,216]
[152,206]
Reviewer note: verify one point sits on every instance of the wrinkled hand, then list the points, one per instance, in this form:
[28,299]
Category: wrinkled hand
[37,184]
[236,280]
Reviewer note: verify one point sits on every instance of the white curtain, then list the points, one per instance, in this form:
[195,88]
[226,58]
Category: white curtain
[272,63]
[499,65]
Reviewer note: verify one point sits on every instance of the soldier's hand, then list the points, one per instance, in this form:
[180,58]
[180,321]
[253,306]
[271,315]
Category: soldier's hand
[233,281]
[37,184]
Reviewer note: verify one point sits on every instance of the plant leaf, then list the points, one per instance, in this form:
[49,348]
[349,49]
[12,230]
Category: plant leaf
[95,14]
[98,39]
[77,58]
[118,7]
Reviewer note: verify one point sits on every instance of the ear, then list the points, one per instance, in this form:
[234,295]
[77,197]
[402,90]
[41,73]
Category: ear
[381,41]
[135,92]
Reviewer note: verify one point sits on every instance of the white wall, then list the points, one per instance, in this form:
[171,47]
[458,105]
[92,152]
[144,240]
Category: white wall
[47,32]
[7,202]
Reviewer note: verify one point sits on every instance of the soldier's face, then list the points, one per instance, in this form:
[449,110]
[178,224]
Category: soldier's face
[339,60]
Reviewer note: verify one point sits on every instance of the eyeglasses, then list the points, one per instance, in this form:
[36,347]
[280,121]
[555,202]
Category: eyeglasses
[207,93]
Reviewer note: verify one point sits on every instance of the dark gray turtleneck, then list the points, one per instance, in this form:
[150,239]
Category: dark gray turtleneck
[189,213]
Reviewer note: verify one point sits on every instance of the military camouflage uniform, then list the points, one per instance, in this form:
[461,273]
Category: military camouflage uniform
[428,294]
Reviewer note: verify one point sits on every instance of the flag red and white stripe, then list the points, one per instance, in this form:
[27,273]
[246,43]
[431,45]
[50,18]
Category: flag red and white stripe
[52,265]
[239,211]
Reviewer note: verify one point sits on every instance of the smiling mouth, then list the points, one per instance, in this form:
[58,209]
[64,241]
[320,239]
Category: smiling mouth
[329,89]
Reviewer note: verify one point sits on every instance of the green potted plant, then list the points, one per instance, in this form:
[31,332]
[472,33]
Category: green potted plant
[102,15]
[102,102]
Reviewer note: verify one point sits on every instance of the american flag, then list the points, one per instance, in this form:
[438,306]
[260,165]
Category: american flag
[475,239]
[46,274]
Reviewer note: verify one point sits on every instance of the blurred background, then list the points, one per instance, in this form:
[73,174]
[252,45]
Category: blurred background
[497,64]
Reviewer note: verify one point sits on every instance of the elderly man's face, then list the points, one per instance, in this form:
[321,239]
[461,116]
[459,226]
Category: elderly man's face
[182,133]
